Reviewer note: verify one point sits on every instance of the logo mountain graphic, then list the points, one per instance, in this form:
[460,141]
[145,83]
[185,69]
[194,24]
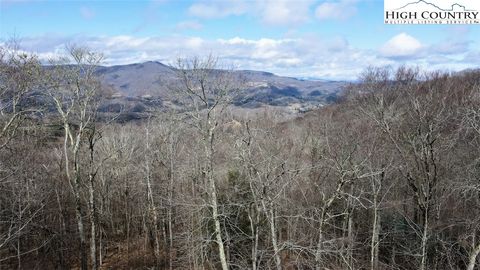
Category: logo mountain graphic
[435,6]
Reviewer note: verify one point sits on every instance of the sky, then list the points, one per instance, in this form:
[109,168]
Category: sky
[328,39]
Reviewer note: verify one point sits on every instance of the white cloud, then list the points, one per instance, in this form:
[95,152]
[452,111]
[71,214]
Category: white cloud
[194,43]
[284,12]
[236,41]
[402,46]
[338,10]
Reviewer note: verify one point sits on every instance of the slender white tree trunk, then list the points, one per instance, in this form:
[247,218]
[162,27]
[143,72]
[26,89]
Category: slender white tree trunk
[127,217]
[350,240]
[170,205]
[254,220]
[318,253]
[19,253]
[473,257]
[101,252]
[254,246]
[213,196]
[273,233]
[81,232]
[91,202]
[79,217]
[374,246]
[423,264]
[152,211]
[153,221]
[62,228]
[218,229]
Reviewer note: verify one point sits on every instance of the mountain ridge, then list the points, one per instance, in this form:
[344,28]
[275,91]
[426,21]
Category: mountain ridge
[153,78]
[139,88]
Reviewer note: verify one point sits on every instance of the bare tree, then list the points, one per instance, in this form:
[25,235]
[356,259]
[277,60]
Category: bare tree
[265,168]
[152,211]
[471,191]
[19,77]
[75,91]
[206,92]
[337,159]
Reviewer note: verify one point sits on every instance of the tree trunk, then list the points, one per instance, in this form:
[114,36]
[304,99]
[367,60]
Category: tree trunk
[62,230]
[19,254]
[254,229]
[152,211]
[213,196]
[79,217]
[423,264]
[270,213]
[81,233]
[91,203]
[127,217]
[374,246]
[473,257]
[273,232]
[325,208]
[318,253]
[218,230]
[153,221]
[350,240]
[170,239]
[170,206]
[101,252]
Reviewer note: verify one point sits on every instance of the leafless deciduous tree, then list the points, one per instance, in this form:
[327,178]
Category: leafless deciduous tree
[74,89]
[206,92]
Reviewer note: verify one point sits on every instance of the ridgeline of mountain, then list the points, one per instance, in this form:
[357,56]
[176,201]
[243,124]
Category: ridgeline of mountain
[152,80]
[133,80]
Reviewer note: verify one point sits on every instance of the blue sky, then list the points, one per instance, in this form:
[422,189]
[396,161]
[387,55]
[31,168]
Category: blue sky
[333,39]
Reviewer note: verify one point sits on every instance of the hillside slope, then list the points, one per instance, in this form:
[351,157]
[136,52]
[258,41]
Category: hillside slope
[152,79]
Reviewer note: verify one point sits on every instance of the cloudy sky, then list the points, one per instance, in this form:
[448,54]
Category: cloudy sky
[331,39]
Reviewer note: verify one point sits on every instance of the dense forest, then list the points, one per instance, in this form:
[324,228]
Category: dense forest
[387,177]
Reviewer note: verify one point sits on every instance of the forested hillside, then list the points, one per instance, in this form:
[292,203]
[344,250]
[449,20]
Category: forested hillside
[388,177]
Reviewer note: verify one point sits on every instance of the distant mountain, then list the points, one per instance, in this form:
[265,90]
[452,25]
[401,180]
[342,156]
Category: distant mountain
[151,80]
[133,80]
